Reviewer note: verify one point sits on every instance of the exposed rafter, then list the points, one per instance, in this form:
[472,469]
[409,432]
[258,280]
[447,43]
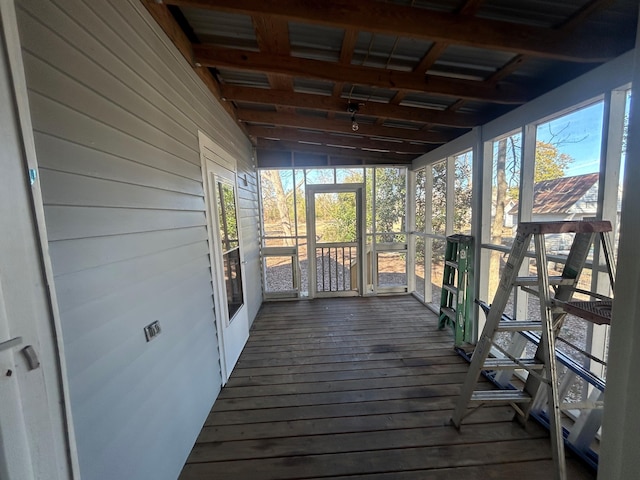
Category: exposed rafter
[324,138]
[382,17]
[282,145]
[422,86]
[333,104]
[288,120]
[163,17]
[211,56]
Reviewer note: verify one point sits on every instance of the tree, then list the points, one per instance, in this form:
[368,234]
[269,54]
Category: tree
[391,192]
[463,193]
[550,163]
[274,194]
[439,197]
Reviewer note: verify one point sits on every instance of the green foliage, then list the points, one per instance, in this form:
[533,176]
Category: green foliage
[344,220]
[391,191]
[227,217]
[439,198]
[336,213]
[462,194]
[550,163]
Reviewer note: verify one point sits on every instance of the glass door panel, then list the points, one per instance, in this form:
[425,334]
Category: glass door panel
[230,246]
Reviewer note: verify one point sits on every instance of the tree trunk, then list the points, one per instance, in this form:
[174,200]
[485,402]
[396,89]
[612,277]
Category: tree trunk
[498,219]
[282,204]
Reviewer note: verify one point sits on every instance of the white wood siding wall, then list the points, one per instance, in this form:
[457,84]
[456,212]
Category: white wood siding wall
[116,113]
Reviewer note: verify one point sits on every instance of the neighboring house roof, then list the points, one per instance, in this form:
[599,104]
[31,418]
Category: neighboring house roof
[560,194]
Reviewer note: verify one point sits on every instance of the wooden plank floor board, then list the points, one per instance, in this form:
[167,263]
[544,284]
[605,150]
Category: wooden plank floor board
[339,386]
[257,378]
[359,388]
[350,424]
[383,407]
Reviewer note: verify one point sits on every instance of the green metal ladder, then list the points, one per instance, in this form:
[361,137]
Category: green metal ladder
[456,299]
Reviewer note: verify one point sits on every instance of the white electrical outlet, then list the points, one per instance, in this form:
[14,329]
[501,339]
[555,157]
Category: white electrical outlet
[152,330]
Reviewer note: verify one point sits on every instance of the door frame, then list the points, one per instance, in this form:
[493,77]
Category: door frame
[35,417]
[358,189]
[217,163]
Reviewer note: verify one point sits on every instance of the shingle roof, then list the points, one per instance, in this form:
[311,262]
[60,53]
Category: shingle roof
[560,194]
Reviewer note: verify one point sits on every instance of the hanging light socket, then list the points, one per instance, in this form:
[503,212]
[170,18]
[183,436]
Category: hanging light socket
[353,108]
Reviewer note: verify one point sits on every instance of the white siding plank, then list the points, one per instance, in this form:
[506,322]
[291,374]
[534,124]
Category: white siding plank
[95,361]
[144,53]
[65,223]
[113,306]
[58,120]
[64,156]
[60,188]
[82,287]
[110,78]
[69,256]
[143,382]
[53,84]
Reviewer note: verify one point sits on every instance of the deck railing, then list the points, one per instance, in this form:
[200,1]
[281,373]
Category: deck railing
[334,263]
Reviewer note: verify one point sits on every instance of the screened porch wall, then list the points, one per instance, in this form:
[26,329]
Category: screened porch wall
[521,139]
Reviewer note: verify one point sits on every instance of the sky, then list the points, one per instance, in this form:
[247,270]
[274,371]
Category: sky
[578,135]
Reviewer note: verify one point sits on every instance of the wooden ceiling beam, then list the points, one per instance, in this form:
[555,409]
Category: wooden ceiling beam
[583,14]
[406,21]
[281,145]
[338,126]
[328,139]
[564,29]
[167,22]
[346,54]
[212,56]
[333,104]
[430,58]
[272,36]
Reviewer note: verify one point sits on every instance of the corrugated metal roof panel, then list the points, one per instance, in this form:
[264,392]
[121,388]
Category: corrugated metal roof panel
[309,85]
[423,100]
[469,63]
[261,107]
[402,124]
[388,51]
[363,93]
[316,42]
[218,28]
[471,106]
[541,13]
[243,78]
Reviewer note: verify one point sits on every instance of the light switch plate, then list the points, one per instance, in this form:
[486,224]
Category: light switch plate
[152,330]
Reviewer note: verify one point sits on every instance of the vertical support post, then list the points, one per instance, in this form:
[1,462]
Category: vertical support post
[525,206]
[411,226]
[428,241]
[450,195]
[483,255]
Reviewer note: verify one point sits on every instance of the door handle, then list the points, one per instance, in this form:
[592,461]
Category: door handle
[10,343]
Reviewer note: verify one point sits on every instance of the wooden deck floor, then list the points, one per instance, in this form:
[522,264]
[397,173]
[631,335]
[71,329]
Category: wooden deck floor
[358,388]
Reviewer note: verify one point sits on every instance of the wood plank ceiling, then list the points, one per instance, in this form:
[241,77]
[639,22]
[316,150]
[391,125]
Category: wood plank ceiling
[412,74]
